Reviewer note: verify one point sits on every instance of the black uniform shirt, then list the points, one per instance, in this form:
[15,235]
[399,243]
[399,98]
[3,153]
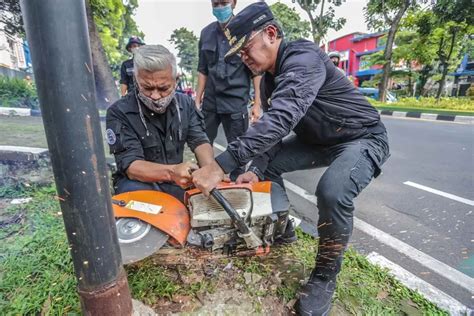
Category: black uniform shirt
[308,95]
[228,84]
[126,74]
[127,136]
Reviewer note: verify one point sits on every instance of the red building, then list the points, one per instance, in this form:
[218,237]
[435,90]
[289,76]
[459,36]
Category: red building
[354,48]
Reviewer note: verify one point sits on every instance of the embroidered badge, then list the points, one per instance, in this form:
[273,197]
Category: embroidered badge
[111,138]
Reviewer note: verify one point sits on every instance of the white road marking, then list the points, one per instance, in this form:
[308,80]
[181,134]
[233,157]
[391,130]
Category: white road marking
[441,193]
[431,263]
[300,191]
[431,293]
[219,147]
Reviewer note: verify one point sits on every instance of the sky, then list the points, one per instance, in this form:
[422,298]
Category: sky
[158,18]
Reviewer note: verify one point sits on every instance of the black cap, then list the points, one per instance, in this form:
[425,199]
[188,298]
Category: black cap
[240,26]
[134,40]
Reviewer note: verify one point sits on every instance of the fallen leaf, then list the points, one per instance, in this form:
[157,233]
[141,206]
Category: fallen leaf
[256,277]
[248,277]
[382,295]
[291,303]
[408,309]
[182,299]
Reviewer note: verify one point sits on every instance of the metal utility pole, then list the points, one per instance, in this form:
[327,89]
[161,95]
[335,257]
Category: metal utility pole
[59,41]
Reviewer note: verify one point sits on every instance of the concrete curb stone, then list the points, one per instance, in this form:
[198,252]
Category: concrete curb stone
[424,116]
[430,116]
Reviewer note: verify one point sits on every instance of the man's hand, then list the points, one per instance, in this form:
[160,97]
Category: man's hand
[198,103]
[208,177]
[181,173]
[256,112]
[248,177]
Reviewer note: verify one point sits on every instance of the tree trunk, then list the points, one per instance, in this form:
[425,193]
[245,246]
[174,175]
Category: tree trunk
[409,90]
[442,81]
[318,31]
[424,76]
[314,26]
[388,51]
[106,90]
[314,29]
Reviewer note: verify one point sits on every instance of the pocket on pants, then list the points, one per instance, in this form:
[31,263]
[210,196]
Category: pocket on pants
[239,123]
[364,170]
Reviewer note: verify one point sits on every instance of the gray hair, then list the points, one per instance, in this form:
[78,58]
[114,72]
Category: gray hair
[153,58]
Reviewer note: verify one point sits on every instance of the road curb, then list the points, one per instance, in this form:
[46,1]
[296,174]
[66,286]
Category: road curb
[415,115]
[430,116]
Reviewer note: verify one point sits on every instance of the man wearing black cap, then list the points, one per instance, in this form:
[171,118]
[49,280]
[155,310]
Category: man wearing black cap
[126,71]
[223,90]
[334,126]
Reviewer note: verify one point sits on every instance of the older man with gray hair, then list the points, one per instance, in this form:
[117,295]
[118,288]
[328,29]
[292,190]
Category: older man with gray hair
[148,128]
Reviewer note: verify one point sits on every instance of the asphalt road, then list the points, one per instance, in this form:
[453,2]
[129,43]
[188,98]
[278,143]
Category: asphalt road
[428,155]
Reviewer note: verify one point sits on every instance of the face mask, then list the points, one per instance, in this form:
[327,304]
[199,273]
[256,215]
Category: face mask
[158,106]
[223,14]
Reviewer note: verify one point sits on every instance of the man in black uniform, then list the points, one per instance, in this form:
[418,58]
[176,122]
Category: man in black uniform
[126,71]
[333,125]
[147,129]
[223,90]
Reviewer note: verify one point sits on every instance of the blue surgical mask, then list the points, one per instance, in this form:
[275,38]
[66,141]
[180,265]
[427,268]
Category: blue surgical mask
[223,14]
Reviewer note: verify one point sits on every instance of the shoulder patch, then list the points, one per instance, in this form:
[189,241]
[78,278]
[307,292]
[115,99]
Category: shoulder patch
[110,135]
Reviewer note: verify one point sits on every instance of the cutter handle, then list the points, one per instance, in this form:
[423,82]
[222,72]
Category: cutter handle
[238,221]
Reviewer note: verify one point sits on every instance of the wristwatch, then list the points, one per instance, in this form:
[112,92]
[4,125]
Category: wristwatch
[257,172]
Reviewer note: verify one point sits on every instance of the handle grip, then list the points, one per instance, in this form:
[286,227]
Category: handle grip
[238,221]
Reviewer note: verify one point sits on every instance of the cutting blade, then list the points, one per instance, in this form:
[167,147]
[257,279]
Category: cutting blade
[138,239]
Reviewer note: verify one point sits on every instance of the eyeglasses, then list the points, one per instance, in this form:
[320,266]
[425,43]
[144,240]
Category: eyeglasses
[247,46]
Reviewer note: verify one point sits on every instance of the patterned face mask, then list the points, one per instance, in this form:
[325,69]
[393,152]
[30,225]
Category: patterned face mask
[158,106]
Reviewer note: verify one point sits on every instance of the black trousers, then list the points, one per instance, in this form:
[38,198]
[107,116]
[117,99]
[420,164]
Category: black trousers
[234,124]
[351,167]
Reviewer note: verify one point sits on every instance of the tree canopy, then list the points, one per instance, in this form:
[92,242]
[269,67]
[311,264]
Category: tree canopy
[186,43]
[113,19]
[322,16]
[290,21]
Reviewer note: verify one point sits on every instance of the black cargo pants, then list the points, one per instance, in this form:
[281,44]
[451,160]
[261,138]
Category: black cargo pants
[351,167]
[234,124]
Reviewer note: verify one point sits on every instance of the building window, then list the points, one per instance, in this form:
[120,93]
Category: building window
[382,41]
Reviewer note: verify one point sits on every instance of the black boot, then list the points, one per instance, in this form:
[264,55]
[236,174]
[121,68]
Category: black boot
[289,236]
[316,296]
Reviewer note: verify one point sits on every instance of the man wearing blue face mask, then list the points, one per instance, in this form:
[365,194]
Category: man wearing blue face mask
[223,91]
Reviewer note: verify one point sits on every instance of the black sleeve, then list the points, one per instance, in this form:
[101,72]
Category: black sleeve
[262,161]
[123,74]
[123,142]
[202,63]
[296,87]
[196,131]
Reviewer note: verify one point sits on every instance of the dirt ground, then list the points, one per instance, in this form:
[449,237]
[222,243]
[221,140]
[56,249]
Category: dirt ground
[231,288]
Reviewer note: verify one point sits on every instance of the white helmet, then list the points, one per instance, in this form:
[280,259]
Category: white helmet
[334,54]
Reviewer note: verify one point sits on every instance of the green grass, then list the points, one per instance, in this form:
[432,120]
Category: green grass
[362,288]
[36,273]
[447,106]
[22,131]
[29,132]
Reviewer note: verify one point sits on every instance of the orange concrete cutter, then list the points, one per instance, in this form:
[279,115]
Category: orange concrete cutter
[236,218]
